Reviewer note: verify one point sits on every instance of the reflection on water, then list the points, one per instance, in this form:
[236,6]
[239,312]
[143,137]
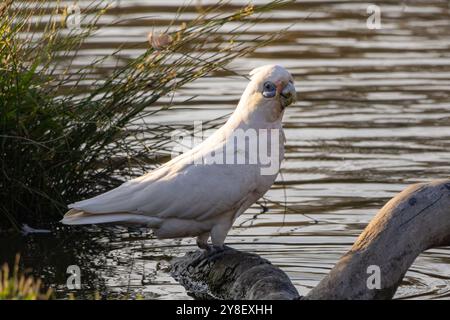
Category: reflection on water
[373,116]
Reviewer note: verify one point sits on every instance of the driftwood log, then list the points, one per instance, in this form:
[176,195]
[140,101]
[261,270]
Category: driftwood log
[232,275]
[415,220]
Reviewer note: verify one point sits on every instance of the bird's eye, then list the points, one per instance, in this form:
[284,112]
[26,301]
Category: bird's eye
[269,90]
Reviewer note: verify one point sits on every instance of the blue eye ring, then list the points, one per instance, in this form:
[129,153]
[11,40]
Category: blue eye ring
[269,90]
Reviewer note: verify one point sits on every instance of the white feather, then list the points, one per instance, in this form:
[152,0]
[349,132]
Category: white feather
[182,198]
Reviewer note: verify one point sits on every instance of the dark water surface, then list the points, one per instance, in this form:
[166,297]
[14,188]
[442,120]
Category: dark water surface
[373,117]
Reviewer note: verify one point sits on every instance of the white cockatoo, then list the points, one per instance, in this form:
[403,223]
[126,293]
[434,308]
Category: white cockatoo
[201,192]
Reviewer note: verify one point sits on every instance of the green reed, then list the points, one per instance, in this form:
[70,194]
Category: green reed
[62,139]
[15,285]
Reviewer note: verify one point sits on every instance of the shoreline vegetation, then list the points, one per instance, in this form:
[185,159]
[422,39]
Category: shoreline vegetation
[17,285]
[65,135]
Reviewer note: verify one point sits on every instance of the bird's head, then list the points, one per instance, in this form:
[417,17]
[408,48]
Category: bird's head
[269,92]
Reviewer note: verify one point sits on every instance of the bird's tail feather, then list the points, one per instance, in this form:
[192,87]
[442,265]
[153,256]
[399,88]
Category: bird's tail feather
[78,217]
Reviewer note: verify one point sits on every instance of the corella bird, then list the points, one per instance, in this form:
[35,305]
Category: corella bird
[201,192]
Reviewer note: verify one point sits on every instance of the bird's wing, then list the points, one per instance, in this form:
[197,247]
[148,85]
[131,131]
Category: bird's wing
[199,192]
[181,190]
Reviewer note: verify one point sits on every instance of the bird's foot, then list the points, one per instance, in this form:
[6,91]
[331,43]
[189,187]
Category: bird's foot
[211,249]
[208,251]
[216,249]
[202,254]
[205,247]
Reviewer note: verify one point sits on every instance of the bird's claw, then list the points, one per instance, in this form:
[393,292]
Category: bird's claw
[214,249]
[218,249]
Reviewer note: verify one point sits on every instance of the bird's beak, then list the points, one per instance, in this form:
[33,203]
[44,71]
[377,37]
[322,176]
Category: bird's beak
[287,94]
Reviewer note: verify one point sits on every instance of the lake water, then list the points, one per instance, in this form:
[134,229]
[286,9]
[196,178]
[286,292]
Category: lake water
[373,116]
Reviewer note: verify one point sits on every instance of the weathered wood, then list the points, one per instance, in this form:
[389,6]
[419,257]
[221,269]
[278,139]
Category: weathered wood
[232,275]
[413,221]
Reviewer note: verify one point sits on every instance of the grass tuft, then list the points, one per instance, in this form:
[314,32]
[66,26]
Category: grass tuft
[66,135]
[17,286]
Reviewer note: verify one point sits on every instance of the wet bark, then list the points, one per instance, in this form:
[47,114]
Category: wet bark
[232,275]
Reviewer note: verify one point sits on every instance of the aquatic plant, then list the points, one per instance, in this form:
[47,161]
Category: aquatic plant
[65,135]
[18,286]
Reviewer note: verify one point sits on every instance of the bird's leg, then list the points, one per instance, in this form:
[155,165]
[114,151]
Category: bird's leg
[218,234]
[202,241]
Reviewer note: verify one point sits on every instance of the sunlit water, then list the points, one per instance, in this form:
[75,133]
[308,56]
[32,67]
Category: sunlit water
[373,117]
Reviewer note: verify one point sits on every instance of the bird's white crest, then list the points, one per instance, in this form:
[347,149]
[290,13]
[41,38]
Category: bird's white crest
[270,71]
[181,198]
